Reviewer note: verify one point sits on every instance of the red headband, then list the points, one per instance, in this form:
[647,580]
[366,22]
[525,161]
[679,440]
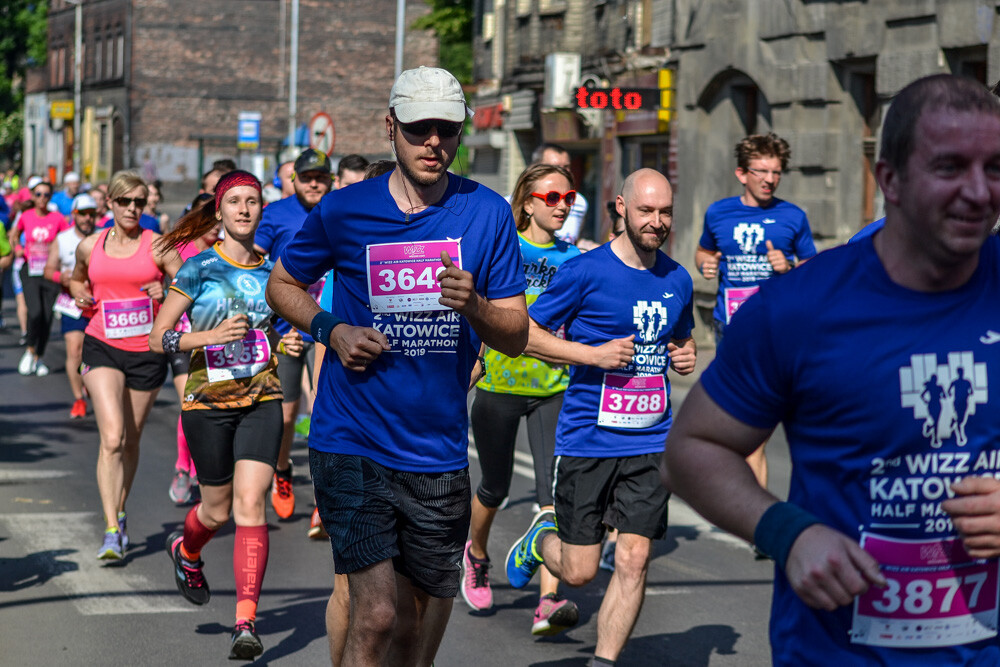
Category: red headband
[234,179]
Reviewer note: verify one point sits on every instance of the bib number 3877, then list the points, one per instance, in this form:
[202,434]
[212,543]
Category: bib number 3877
[937,595]
[632,401]
[403,277]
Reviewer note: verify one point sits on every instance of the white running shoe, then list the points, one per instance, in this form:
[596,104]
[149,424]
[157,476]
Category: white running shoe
[27,364]
[41,370]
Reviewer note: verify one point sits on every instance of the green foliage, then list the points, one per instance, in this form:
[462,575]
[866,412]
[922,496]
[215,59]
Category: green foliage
[23,44]
[451,22]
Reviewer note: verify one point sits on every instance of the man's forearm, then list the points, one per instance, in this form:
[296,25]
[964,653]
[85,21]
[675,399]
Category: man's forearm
[554,350]
[502,325]
[290,300]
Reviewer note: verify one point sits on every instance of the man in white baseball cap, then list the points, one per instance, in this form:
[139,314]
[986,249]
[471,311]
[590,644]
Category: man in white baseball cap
[64,198]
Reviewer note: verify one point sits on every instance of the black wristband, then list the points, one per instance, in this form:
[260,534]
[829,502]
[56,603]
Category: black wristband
[322,325]
[778,529]
[171,341]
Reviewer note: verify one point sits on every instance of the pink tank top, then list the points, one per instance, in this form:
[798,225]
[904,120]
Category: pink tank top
[123,314]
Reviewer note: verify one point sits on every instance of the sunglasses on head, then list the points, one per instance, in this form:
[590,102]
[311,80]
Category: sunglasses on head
[445,129]
[125,202]
[551,198]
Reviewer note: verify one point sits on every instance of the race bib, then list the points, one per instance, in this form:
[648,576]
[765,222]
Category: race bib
[735,297]
[316,290]
[38,256]
[67,306]
[402,277]
[937,595]
[248,358]
[124,318]
[632,401]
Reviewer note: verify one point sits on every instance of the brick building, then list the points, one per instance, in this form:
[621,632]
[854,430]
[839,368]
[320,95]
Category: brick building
[165,80]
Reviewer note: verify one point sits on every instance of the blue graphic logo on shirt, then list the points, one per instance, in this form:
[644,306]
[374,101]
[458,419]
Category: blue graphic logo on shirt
[248,284]
[943,396]
[650,319]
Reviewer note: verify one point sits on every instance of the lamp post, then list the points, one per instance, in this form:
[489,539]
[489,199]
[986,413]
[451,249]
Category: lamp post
[77,80]
[293,75]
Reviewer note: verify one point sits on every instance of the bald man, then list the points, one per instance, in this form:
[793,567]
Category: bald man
[619,344]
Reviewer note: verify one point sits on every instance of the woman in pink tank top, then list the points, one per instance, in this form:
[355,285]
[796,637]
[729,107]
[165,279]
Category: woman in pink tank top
[119,280]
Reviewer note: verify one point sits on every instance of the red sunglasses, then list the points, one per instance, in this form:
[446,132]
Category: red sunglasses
[551,198]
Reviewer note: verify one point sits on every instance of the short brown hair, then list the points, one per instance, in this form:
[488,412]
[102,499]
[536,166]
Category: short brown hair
[761,146]
[526,184]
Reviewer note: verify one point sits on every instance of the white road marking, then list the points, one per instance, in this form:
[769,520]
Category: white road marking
[93,589]
[19,476]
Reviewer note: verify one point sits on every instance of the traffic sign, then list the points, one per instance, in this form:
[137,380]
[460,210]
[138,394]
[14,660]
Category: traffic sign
[321,133]
[248,131]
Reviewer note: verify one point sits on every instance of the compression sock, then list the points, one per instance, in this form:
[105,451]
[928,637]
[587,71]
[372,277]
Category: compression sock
[249,562]
[196,535]
[184,460]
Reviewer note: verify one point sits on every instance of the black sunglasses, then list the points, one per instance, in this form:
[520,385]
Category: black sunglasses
[42,194]
[445,129]
[125,202]
[551,198]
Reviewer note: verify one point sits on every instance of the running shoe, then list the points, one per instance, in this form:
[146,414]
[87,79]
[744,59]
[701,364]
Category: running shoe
[282,495]
[246,643]
[79,409]
[41,370]
[316,529]
[188,575]
[608,556]
[122,523]
[23,340]
[112,547]
[476,582]
[523,558]
[553,615]
[180,487]
[27,364]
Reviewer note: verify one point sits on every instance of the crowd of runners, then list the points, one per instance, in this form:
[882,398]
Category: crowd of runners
[374,297]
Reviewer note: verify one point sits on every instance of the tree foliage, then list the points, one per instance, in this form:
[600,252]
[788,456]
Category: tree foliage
[451,22]
[23,44]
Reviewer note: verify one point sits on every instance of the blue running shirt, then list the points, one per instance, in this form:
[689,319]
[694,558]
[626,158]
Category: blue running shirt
[883,392]
[741,233]
[408,410]
[599,298]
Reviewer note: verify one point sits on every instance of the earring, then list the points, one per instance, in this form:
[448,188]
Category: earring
[218,216]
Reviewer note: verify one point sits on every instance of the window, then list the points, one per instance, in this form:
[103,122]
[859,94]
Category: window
[120,55]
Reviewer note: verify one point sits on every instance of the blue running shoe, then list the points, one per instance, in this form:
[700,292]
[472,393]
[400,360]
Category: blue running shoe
[122,522]
[112,547]
[523,558]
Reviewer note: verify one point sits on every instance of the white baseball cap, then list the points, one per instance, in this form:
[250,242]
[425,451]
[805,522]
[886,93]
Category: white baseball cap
[71,177]
[428,92]
[83,202]
[34,181]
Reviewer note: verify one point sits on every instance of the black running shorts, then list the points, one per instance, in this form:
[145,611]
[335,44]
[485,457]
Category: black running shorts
[623,493]
[144,371]
[374,513]
[218,438]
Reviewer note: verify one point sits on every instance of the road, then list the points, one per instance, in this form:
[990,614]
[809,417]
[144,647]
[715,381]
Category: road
[707,599]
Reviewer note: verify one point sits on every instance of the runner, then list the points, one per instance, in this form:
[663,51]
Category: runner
[839,351]
[312,180]
[628,313]
[749,238]
[39,226]
[522,387]
[118,279]
[184,485]
[59,269]
[232,397]
[389,443]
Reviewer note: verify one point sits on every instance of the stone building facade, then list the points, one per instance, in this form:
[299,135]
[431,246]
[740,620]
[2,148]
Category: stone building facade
[164,81]
[819,73]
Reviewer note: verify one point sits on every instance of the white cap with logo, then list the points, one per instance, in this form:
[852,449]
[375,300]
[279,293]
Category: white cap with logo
[428,93]
[84,202]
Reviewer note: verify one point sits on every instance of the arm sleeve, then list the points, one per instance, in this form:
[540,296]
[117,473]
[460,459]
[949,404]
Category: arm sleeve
[560,300]
[506,272]
[264,236]
[803,243]
[685,325]
[707,240]
[310,253]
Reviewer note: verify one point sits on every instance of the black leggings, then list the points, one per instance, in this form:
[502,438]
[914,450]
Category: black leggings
[40,295]
[495,418]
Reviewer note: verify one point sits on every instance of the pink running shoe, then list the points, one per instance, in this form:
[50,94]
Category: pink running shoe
[554,615]
[476,582]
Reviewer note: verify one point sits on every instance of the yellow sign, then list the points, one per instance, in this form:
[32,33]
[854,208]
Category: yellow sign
[666,81]
[62,109]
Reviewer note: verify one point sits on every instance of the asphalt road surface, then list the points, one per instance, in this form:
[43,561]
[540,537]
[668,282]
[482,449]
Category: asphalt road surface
[707,599]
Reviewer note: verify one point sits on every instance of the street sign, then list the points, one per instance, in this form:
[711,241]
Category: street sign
[248,131]
[61,109]
[321,133]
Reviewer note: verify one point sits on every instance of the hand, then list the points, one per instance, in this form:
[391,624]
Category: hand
[235,328]
[154,289]
[827,569]
[357,347]
[614,354]
[710,267]
[682,359]
[975,511]
[291,343]
[458,292]
[777,259]
[82,297]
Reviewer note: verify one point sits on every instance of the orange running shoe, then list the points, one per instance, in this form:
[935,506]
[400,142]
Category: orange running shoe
[316,529]
[282,495]
[79,409]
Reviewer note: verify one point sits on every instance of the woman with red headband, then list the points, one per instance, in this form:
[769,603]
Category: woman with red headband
[232,399]
[118,278]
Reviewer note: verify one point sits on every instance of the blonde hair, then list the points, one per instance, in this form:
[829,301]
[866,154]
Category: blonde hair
[124,182]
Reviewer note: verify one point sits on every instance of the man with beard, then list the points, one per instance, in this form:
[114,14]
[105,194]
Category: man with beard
[750,238]
[312,179]
[426,265]
[616,413]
